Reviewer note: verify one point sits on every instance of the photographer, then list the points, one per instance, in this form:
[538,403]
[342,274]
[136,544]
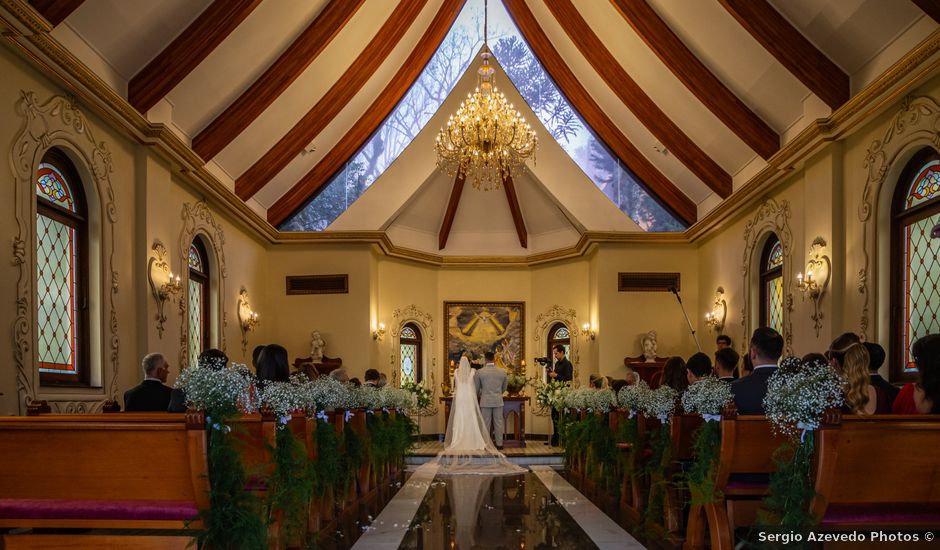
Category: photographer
[560,371]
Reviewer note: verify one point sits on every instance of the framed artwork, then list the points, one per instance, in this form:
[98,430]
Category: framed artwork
[478,327]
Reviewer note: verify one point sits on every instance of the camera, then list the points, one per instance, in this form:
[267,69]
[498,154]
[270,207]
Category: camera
[543,360]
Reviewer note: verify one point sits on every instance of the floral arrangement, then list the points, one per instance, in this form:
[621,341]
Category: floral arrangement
[630,397]
[799,393]
[707,397]
[422,394]
[326,393]
[283,398]
[552,395]
[365,397]
[395,399]
[659,403]
[516,380]
[603,401]
[221,393]
[579,399]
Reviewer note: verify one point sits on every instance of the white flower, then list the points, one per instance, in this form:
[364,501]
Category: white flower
[659,403]
[707,396]
[283,397]
[799,393]
[225,390]
[603,400]
[630,397]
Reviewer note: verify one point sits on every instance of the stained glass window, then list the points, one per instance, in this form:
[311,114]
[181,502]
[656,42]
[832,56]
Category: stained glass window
[915,281]
[410,350]
[61,311]
[771,280]
[195,262]
[558,334]
[198,294]
[776,256]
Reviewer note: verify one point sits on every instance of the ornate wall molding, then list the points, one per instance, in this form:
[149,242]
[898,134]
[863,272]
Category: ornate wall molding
[198,220]
[568,316]
[58,122]
[400,317]
[772,216]
[917,124]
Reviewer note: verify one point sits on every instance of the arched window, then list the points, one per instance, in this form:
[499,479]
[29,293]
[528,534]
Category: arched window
[200,319]
[410,342]
[915,265]
[558,334]
[61,272]
[771,285]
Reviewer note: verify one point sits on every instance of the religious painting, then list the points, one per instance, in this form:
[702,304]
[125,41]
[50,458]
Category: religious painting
[478,327]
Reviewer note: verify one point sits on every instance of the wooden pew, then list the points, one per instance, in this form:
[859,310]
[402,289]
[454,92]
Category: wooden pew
[97,471]
[879,469]
[682,430]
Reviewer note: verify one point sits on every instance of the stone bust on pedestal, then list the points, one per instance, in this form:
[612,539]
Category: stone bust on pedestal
[317,347]
[649,346]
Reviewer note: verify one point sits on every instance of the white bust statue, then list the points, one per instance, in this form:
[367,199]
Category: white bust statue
[649,346]
[317,345]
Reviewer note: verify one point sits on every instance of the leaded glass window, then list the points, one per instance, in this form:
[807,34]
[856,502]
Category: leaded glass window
[410,351]
[198,293]
[916,268]
[61,272]
[771,311]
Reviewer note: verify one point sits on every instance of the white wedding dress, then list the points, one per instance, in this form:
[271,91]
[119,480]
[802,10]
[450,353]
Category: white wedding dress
[467,445]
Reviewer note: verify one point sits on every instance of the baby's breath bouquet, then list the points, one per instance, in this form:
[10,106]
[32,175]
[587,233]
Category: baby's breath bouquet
[797,396]
[659,403]
[551,395]
[397,399]
[422,394]
[602,401]
[283,398]
[706,397]
[221,393]
[325,393]
[630,397]
[580,399]
[367,397]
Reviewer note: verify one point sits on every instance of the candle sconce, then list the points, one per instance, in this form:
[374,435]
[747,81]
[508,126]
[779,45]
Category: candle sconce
[588,331]
[715,319]
[379,333]
[163,284]
[816,280]
[247,319]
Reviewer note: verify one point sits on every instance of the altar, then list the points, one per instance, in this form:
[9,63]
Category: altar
[514,437]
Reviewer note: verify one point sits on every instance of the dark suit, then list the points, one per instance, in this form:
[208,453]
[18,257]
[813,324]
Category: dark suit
[565,373]
[150,395]
[890,392]
[727,379]
[749,391]
[177,401]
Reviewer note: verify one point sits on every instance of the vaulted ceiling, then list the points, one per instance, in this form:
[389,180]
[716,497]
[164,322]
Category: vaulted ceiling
[693,95]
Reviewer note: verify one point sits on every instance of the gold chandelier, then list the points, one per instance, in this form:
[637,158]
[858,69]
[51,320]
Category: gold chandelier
[486,139]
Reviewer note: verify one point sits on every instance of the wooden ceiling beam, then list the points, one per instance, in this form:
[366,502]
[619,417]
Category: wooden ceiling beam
[277,78]
[186,52]
[642,106]
[659,185]
[930,7]
[451,212]
[721,101]
[816,71]
[55,11]
[332,102]
[332,162]
[517,218]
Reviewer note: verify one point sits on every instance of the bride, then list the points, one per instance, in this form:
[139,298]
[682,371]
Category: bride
[467,445]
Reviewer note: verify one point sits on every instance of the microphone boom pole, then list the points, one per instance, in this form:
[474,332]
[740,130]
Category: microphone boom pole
[675,291]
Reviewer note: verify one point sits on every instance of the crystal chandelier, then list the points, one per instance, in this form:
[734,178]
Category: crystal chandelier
[486,139]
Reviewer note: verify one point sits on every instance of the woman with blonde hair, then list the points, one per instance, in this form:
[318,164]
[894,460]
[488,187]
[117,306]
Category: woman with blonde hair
[860,396]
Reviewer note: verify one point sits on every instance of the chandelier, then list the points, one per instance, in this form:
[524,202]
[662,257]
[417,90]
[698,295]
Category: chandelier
[486,139]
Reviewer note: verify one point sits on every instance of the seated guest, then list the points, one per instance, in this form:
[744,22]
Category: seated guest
[372,378]
[632,378]
[723,341]
[383,380]
[746,366]
[273,365]
[256,356]
[618,385]
[726,361]
[697,367]
[839,346]
[354,382]
[814,358]
[598,382]
[340,375]
[764,352]
[152,394]
[674,374]
[209,359]
[860,396]
[876,358]
[923,396]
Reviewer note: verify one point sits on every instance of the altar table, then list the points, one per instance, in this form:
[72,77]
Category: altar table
[511,438]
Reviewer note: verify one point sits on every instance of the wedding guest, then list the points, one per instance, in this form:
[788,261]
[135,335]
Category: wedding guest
[726,361]
[210,359]
[340,375]
[372,378]
[747,367]
[674,374]
[273,365]
[632,377]
[839,346]
[814,357]
[618,385]
[860,396]
[256,356]
[922,396]
[765,351]
[152,394]
[876,357]
[354,382]
[697,367]
[383,380]
[723,341]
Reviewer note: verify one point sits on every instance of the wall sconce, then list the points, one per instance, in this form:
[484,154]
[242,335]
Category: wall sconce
[814,284]
[163,284]
[379,333]
[715,319]
[247,319]
[588,331]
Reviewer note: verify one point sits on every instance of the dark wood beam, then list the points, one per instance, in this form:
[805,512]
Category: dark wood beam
[721,101]
[451,211]
[279,76]
[332,102]
[630,93]
[659,185]
[55,11]
[517,218]
[930,7]
[186,52]
[816,71]
[332,162]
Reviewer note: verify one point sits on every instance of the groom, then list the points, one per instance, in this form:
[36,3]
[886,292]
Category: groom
[491,383]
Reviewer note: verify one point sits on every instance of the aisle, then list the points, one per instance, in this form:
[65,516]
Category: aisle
[538,509]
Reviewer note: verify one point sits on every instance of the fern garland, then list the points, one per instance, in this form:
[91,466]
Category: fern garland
[291,486]
[701,474]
